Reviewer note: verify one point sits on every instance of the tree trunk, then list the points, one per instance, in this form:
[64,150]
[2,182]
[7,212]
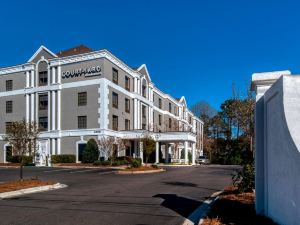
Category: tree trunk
[21,171]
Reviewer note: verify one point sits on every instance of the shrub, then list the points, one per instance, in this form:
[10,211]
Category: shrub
[136,162]
[244,179]
[27,160]
[63,158]
[91,152]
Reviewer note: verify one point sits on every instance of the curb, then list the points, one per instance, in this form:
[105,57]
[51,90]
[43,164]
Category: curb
[25,191]
[123,172]
[88,167]
[198,215]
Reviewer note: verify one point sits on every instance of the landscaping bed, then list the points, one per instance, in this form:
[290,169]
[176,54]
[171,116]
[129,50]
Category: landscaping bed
[141,168]
[18,185]
[233,207]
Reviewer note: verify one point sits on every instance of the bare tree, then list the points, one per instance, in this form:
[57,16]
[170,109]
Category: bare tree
[148,145]
[22,136]
[106,147]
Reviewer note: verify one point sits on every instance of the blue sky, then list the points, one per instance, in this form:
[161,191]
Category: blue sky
[191,48]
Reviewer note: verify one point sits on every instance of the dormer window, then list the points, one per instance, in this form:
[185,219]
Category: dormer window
[144,91]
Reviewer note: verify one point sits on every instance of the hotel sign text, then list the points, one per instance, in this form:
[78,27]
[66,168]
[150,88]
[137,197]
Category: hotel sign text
[87,72]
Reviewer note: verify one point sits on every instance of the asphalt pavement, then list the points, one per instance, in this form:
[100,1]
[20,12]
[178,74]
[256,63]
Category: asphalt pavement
[99,196]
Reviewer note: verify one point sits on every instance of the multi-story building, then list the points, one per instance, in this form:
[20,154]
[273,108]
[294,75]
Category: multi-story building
[79,94]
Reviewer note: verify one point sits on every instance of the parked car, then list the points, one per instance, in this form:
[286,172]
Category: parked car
[202,160]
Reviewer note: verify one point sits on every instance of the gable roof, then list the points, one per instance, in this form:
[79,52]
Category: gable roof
[143,70]
[183,101]
[42,48]
[80,49]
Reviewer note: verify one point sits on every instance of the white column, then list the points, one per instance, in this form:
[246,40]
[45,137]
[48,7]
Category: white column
[157,152]
[135,109]
[32,108]
[135,84]
[139,86]
[141,151]
[59,74]
[32,78]
[186,160]
[27,107]
[27,79]
[104,102]
[53,111]
[58,151]
[138,114]
[49,110]
[53,147]
[53,75]
[58,111]
[193,153]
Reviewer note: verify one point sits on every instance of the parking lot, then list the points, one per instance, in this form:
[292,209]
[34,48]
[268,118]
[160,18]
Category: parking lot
[99,196]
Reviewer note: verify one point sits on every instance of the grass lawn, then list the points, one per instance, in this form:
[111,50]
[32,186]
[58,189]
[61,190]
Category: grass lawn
[235,208]
[17,185]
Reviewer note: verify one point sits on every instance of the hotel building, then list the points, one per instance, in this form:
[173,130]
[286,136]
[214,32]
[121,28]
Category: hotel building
[80,93]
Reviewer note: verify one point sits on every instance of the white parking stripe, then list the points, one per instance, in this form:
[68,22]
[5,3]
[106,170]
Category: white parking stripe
[49,171]
[82,171]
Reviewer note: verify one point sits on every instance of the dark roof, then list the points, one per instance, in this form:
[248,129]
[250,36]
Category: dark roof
[74,51]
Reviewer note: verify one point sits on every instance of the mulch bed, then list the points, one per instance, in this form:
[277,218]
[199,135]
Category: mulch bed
[142,168]
[9,164]
[17,185]
[234,208]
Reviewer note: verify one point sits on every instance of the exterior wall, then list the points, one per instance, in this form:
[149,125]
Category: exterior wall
[120,112]
[82,65]
[108,67]
[19,81]
[70,109]
[68,144]
[18,113]
[278,149]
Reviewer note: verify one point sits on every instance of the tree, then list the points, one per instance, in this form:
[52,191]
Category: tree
[91,152]
[148,145]
[203,108]
[22,136]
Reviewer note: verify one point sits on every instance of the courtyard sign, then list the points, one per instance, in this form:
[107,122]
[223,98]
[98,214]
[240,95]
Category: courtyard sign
[87,72]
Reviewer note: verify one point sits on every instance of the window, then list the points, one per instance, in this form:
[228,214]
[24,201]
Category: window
[170,123]
[43,123]
[144,91]
[115,100]
[9,106]
[8,125]
[170,107]
[190,119]
[159,103]
[127,105]
[43,101]
[115,122]
[82,98]
[9,85]
[127,83]
[43,78]
[159,119]
[153,118]
[115,75]
[144,111]
[127,124]
[82,122]
[144,126]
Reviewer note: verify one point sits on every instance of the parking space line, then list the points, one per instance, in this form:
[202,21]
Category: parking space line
[49,171]
[82,171]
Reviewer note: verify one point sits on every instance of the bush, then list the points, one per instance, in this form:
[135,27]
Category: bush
[154,166]
[63,158]
[244,179]
[27,160]
[91,152]
[136,162]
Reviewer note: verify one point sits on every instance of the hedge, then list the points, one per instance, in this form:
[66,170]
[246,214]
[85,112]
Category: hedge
[63,159]
[18,159]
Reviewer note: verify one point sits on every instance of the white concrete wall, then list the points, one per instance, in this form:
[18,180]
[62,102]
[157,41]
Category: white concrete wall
[277,150]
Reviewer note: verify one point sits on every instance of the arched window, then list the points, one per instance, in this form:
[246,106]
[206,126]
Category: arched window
[43,73]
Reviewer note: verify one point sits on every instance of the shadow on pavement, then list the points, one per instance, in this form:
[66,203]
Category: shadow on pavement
[182,206]
[188,184]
